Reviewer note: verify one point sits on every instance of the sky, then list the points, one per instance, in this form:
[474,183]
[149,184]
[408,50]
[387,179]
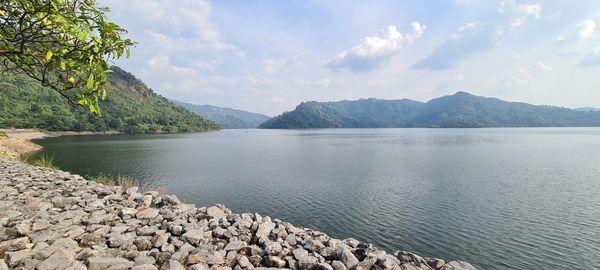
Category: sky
[268,56]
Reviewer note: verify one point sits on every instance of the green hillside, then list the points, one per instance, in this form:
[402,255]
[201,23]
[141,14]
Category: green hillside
[129,107]
[461,110]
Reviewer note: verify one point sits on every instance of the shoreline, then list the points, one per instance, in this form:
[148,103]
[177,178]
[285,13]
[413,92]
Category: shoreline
[18,142]
[60,220]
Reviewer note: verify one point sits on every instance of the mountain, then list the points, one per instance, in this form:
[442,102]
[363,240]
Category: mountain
[130,106]
[587,109]
[226,117]
[461,110]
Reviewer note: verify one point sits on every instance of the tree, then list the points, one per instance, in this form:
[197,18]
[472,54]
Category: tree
[63,44]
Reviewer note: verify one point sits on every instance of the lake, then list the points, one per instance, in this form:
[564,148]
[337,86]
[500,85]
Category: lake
[499,198]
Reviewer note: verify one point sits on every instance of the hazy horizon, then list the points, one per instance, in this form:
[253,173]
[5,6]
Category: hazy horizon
[268,56]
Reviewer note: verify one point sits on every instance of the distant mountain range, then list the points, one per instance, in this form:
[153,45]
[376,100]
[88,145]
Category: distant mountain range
[587,109]
[227,117]
[461,110]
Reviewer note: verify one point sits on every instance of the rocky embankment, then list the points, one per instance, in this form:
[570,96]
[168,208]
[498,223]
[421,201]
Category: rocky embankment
[56,220]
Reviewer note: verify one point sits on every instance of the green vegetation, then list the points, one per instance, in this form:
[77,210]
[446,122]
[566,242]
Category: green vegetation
[130,107]
[461,110]
[3,134]
[123,181]
[226,117]
[44,160]
[62,44]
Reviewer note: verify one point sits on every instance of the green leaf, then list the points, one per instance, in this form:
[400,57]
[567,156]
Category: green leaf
[48,55]
[90,81]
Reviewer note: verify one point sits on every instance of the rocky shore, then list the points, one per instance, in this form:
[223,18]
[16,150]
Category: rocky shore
[57,220]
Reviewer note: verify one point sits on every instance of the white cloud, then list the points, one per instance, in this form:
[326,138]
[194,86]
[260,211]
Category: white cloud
[586,29]
[519,13]
[471,38]
[530,10]
[372,51]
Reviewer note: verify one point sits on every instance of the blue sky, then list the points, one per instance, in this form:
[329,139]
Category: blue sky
[268,56]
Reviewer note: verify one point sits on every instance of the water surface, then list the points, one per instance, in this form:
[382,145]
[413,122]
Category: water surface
[499,198]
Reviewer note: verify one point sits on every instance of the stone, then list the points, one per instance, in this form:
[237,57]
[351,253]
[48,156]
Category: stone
[243,262]
[60,259]
[299,253]
[215,212]
[264,229]
[347,258]
[235,245]
[199,266]
[101,263]
[15,258]
[436,263]
[307,262]
[13,245]
[149,213]
[337,265]
[193,237]
[144,267]
[323,266]
[273,248]
[175,265]
[3,265]
[275,261]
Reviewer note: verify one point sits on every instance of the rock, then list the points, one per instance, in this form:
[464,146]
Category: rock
[275,261]
[193,237]
[243,262]
[3,265]
[307,262]
[337,265]
[205,256]
[199,266]
[101,263]
[144,267]
[264,229]
[13,245]
[436,263]
[235,245]
[16,257]
[273,248]
[299,253]
[175,265]
[60,259]
[328,253]
[313,245]
[149,213]
[215,212]
[347,258]
[323,266]
[459,265]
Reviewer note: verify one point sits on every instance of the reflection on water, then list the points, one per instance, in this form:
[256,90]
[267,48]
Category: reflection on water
[499,198]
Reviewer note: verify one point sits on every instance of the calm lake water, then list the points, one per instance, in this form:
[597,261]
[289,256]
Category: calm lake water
[499,198]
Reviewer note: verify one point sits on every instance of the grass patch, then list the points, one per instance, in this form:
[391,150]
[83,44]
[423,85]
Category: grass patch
[3,134]
[124,181]
[45,160]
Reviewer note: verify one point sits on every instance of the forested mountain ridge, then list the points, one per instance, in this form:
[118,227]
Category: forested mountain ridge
[130,106]
[461,110]
[227,117]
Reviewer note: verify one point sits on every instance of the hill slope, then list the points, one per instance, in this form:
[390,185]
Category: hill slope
[227,117]
[458,110]
[129,107]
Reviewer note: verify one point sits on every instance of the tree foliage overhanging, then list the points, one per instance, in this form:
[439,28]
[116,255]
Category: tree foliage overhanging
[62,44]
